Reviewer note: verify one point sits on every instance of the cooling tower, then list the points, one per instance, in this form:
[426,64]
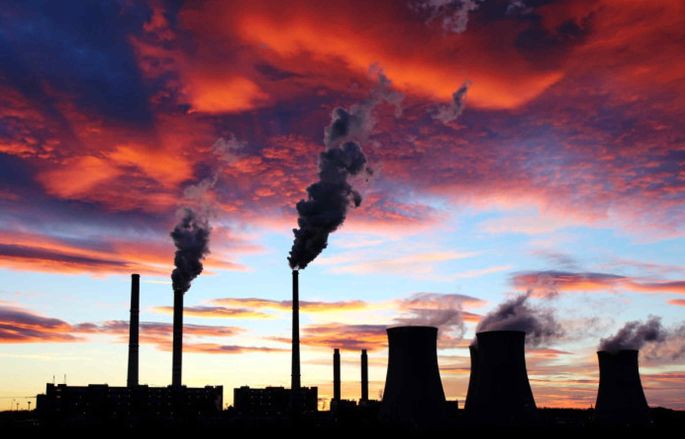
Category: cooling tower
[177,343]
[413,392]
[620,398]
[499,391]
[365,376]
[336,375]
[132,376]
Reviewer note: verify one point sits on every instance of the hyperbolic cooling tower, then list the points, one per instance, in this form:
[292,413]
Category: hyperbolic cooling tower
[499,391]
[620,398]
[413,390]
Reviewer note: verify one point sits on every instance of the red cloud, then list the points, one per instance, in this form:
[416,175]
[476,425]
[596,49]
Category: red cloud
[22,326]
[546,282]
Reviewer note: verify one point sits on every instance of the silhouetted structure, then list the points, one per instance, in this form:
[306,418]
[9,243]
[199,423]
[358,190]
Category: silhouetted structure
[336,374]
[413,392]
[365,376]
[499,391]
[102,402]
[132,376]
[295,360]
[272,401]
[177,354]
[620,398]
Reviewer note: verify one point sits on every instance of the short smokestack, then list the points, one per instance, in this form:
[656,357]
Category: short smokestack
[620,398]
[177,359]
[295,366]
[132,376]
[499,391]
[413,392]
[336,374]
[365,376]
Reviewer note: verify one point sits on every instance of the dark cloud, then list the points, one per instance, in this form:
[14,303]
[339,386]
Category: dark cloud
[21,326]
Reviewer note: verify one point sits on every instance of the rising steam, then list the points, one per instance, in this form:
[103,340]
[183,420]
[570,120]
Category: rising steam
[328,199]
[635,335]
[517,314]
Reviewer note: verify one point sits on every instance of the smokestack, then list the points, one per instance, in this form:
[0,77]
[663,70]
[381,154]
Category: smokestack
[178,340]
[620,398]
[365,376]
[295,366]
[132,377]
[413,392]
[499,391]
[336,374]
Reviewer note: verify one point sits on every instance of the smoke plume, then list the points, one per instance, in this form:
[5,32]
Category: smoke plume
[517,314]
[191,233]
[191,237]
[328,199]
[450,112]
[635,335]
[454,14]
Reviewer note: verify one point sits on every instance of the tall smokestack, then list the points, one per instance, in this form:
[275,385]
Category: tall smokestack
[499,391]
[365,376]
[620,398]
[132,377]
[178,340]
[413,392]
[295,366]
[336,374]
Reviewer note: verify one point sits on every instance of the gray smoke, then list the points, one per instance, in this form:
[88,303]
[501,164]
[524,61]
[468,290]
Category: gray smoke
[454,14]
[635,335]
[191,237]
[328,199]
[191,233]
[450,112]
[517,314]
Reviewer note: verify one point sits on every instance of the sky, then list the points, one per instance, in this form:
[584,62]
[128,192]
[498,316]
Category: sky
[520,149]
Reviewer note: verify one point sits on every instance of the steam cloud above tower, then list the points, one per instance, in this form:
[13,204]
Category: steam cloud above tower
[517,314]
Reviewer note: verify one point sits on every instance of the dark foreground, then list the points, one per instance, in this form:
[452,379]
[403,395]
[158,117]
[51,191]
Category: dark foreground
[559,422]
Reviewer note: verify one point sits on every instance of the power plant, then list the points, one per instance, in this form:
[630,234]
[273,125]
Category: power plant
[413,392]
[135,401]
[620,398]
[499,391]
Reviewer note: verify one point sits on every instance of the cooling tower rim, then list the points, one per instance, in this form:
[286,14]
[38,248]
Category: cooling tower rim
[411,328]
[501,331]
[619,352]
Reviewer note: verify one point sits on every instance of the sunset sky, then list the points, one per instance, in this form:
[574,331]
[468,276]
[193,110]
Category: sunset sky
[561,172]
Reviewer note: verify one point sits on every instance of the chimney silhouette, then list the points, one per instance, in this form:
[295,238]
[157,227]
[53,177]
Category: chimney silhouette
[336,374]
[365,376]
[413,392]
[177,355]
[132,376]
[499,391]
[620,398]
[295,364]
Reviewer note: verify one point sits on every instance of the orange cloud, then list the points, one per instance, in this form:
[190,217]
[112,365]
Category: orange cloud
[216,312]
[286,305]
[18,325]
[545,282]
[678,302]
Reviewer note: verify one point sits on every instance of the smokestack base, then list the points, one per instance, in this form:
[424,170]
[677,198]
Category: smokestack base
[620,397]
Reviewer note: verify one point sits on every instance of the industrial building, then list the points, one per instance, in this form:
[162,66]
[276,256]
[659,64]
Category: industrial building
[272,401]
